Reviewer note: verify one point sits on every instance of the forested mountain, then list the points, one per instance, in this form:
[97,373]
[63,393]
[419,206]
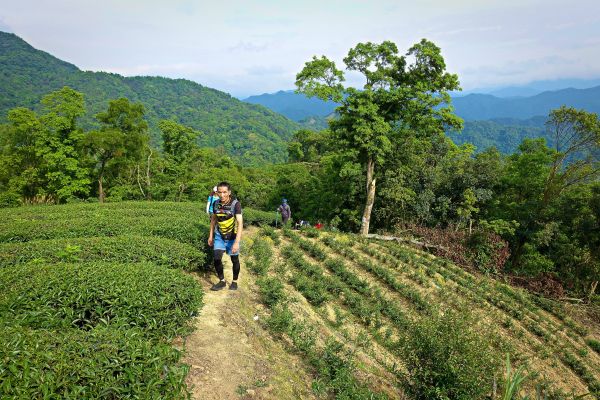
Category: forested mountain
[473,107]
[484,106]
[506,134]
[293,105]
[251,133]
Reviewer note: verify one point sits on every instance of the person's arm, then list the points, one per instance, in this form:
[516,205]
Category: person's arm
[238,236]
[211,232]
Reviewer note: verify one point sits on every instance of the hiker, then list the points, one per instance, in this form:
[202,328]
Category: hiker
[212,197]
[226,225]
[285,211]
[318,225]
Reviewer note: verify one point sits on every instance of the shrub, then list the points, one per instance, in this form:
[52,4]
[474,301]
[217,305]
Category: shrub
[446,358]
[280,319]
[271,290]
[9,199]
[262,254]
[258,217]
[594,344]
[156,300]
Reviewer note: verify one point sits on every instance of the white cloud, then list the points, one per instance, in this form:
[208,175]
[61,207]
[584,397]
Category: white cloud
[247,47]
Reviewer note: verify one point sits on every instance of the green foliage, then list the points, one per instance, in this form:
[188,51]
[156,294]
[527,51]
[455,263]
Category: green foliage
[271,290]
[396,97]
[447,357]
[108,222]
[9,199]
[258,217]
[513,381]
[594,344]
[93,316]
[280,319]
[250,133]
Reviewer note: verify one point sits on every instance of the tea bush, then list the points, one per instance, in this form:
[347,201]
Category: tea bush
[100,363]
[447,358]
[122,249]
[156,300]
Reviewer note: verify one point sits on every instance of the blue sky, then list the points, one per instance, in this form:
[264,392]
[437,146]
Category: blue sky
[247,47]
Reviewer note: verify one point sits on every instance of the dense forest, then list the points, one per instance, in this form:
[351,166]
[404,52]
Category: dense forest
[534,213]
[249,133]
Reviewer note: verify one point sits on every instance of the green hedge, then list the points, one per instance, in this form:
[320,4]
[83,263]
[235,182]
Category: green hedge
[156,300]
[121,249]
[182,229]
[100,363]
[258,217]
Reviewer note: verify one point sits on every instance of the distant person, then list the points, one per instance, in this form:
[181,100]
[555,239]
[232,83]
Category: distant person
[286,212]
[212,197]
[225,234]
[318,225]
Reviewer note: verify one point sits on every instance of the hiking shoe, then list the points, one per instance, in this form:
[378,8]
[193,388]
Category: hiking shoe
[233,286]
[218,286]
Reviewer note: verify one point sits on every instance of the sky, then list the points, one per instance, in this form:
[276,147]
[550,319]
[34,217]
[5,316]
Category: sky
[249,47]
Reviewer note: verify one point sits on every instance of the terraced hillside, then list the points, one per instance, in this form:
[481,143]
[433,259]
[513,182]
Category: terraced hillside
[380,319]
[110,301]
[94,300]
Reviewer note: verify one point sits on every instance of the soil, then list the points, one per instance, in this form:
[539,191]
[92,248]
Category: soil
[231,355]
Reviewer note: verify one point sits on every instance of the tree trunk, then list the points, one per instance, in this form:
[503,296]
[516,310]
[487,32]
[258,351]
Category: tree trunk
[101,195]
[148,194]
[366,219]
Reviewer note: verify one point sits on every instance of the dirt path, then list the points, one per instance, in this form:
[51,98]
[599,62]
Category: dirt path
[231,356]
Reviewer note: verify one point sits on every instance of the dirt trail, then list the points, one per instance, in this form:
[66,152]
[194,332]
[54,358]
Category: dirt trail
[231,356]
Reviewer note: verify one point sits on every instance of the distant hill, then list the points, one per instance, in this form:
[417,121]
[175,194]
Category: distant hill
[295,106]
[489,120]
[484,106]
[535,87]
[504,134]
[471,107]
[251,133]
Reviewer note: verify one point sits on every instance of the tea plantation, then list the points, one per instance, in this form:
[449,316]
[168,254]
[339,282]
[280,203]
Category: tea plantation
[378,319]
[93,296]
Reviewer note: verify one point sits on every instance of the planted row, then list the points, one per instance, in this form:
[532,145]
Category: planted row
[158,301]
[119,249]
[333,363]
[500,296]
[99,363]
[182,229]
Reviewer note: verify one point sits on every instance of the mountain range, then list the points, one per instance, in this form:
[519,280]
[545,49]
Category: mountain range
[256,130]
[471,107]
[489,120]
[251,133]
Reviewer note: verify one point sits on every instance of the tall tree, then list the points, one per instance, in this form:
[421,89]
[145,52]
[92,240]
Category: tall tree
[178,140]
[121,138]
[59,146]
[576,135]
[397,98]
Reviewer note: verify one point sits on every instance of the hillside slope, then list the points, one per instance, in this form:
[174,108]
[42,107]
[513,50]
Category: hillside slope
[94,299]
[251,133]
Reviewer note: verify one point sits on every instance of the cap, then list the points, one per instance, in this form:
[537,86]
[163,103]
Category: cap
[215,189]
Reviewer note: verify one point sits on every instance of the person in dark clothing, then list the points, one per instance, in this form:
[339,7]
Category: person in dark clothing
[286,212]
[226,225]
